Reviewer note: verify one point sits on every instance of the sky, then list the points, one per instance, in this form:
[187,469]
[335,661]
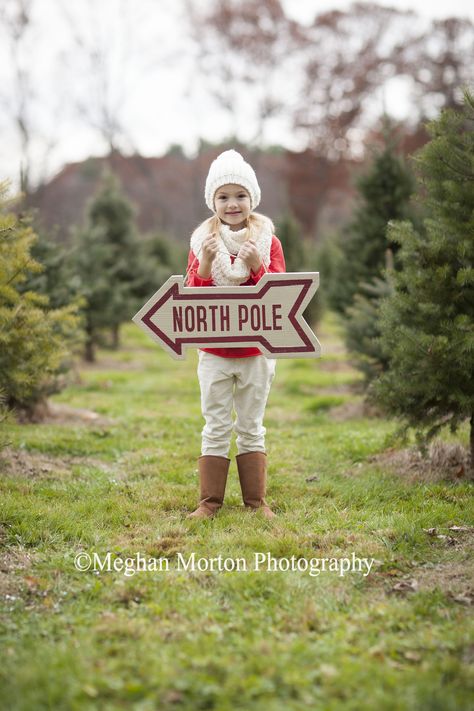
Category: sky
[161,96]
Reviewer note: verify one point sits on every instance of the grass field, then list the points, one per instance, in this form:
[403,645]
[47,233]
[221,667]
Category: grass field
[123,480]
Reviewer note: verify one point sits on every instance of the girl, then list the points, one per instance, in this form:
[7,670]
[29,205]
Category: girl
[234,247]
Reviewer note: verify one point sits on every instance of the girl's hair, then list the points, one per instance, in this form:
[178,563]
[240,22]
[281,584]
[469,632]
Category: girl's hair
[253,221]
[212,224]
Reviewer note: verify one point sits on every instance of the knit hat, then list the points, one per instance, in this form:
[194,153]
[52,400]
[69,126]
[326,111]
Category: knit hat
[230,168]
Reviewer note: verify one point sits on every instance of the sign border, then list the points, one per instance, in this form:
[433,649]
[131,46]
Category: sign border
[173,289]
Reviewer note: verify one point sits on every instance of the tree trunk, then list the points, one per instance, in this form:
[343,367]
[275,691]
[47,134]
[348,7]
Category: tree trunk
[115,337]
[471,471]
[89,353]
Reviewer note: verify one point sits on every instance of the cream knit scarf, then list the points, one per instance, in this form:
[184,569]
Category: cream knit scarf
[223,271]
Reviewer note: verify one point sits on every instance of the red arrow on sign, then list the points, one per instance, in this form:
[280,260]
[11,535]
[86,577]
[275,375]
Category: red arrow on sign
[267,315]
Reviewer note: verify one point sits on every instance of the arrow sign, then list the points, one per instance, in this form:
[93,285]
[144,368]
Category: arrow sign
[267,315]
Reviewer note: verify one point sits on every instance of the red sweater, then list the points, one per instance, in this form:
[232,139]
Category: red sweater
[277,264]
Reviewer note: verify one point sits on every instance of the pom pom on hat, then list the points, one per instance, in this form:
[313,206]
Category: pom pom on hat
[230,168]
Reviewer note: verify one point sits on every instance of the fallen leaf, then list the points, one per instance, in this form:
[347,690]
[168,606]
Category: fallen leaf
[90,691]
[394,664]
[412,656]
[448,539]
[378,651]
[328,670]
[461,529]
[174,697]
[465,598]
[405,586]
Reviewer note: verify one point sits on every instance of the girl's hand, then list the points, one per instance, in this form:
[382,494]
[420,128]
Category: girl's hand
[210,247]
[249,254]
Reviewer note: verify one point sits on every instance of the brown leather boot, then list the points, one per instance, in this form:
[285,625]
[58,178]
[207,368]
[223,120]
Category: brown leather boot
[213,472]
[252,468]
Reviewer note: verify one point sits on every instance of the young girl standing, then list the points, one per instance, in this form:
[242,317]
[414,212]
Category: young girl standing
[234,247]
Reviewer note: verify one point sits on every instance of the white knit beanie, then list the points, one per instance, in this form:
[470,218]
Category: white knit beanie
[230,168]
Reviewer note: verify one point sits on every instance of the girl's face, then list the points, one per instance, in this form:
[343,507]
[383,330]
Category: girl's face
[232,203]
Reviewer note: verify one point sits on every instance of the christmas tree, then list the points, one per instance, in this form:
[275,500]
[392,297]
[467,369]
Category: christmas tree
[298,257]
[384,195]
[362,335]
[57,279]
[108,264]
[427,325]
[289,234]
[36,341]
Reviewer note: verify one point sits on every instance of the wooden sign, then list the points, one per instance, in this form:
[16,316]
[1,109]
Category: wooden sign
[267,315]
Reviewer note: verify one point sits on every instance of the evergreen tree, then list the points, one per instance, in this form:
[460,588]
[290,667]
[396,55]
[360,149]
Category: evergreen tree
[427,325]
[111,212]
[384,195]
[36,342]
[386,191]
[322,258]
[5,418]
[298,257]
[160,258]
[94,259]
[289,234]
[362,333]
[107,259]
[57,279]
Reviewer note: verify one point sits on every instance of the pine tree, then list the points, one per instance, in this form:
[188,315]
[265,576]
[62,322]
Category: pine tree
[384,195]
[107,259]
[427,325]
[324,258]
[93,258]
[298,257]
[57,279]
[362,335]
[36,342]
[113,213]
[5,418]
[289,234]
[386,191]
[160,258]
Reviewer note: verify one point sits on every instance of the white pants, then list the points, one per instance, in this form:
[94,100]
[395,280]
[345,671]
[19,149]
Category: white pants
[228,383]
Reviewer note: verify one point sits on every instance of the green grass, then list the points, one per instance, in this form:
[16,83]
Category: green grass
[227,640]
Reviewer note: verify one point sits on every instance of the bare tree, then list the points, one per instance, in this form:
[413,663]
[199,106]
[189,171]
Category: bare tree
[330,79]
[114,46]
[350,57]
[243,48]
[440,61]
[15,22]
[98,59]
